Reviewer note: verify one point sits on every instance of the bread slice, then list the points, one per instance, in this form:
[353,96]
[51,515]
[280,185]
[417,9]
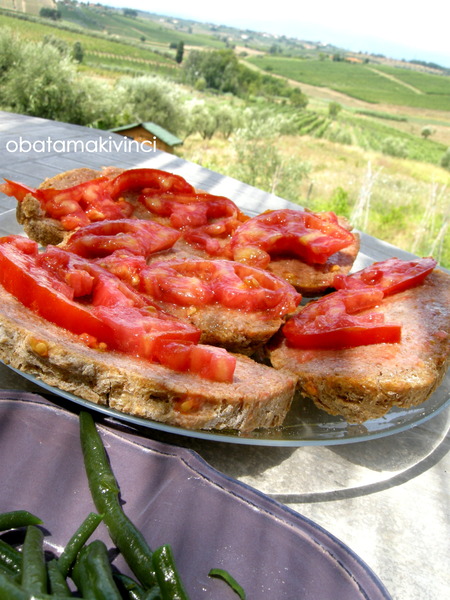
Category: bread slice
[365,382]
[313,280]
[258,397]
[36,223]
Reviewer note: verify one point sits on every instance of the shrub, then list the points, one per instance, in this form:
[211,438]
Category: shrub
[394,147]
[152,98]
[445,160]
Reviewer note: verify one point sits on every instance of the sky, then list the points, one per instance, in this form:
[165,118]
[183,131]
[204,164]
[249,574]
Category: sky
[395,28]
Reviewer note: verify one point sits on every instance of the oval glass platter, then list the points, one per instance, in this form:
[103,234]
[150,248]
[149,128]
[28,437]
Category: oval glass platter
[173,496]
[305,424]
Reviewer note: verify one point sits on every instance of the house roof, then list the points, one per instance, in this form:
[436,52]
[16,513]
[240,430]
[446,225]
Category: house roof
[165,136]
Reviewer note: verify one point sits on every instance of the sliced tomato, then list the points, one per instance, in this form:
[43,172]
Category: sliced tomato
[177,284]
[136,180]
[16,190]
[251,289]
[134,235]
[74,206]
[136,330]
[207,221]
[124,265]
[311,237]
[44,293]
[116,315]
[212,363]
[230,284]
[333,322]
[209,362]
[392,275]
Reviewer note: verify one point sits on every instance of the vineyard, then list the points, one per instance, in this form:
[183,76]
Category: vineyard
[365,82]
[369,135]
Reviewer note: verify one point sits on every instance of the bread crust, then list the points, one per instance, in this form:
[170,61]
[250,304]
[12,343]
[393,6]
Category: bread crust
[258,397]
[367,381]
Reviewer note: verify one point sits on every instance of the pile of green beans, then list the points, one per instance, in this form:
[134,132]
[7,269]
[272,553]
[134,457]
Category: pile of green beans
[84,569]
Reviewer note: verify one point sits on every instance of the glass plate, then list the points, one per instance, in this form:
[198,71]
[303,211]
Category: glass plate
[173,496]
[305,424]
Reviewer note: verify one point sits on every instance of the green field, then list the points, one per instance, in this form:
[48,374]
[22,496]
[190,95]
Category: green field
[98,48]
[101,19]
[364,81]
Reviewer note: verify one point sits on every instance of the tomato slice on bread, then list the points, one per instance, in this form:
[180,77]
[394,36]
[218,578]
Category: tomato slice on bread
[311,237]
[133,235]
[392,275]
[107,313]
[334,322]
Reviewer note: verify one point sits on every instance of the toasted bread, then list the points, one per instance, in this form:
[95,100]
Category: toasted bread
[365,382]
[259,396]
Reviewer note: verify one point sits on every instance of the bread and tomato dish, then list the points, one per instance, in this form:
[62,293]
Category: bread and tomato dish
[134,290]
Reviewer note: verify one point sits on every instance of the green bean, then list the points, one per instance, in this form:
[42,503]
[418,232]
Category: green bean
[230,580]
[129,587]
[10,557]
[9,573]
[83,533]
[34,572]
[105,494]
[153,594]
[93,574]
[9,590]
[17,518]
[169,579]
[57,581]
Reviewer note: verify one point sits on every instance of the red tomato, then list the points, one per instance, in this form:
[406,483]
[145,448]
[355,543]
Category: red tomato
[212,363]
[44,293]
[201,282]
[207,221]
[17,190]
[74,206]
[136,330]
[124,265]
[206,361]
[117,315]
[135,180]
[134,235]
[332,322]
[248,288]
[177,284]
[392,276]
[311,237]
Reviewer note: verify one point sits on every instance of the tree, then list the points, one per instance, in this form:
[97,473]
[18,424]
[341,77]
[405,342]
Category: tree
[78,52]
[130,12]
[334,108]
[180,52]
[445,160]
[37,79]
[427,131]
[50,13]
[152,98]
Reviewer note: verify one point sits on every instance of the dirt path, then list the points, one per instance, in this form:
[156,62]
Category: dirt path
[399,81]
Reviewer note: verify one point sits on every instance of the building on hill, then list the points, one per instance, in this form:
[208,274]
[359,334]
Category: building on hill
[152,133]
